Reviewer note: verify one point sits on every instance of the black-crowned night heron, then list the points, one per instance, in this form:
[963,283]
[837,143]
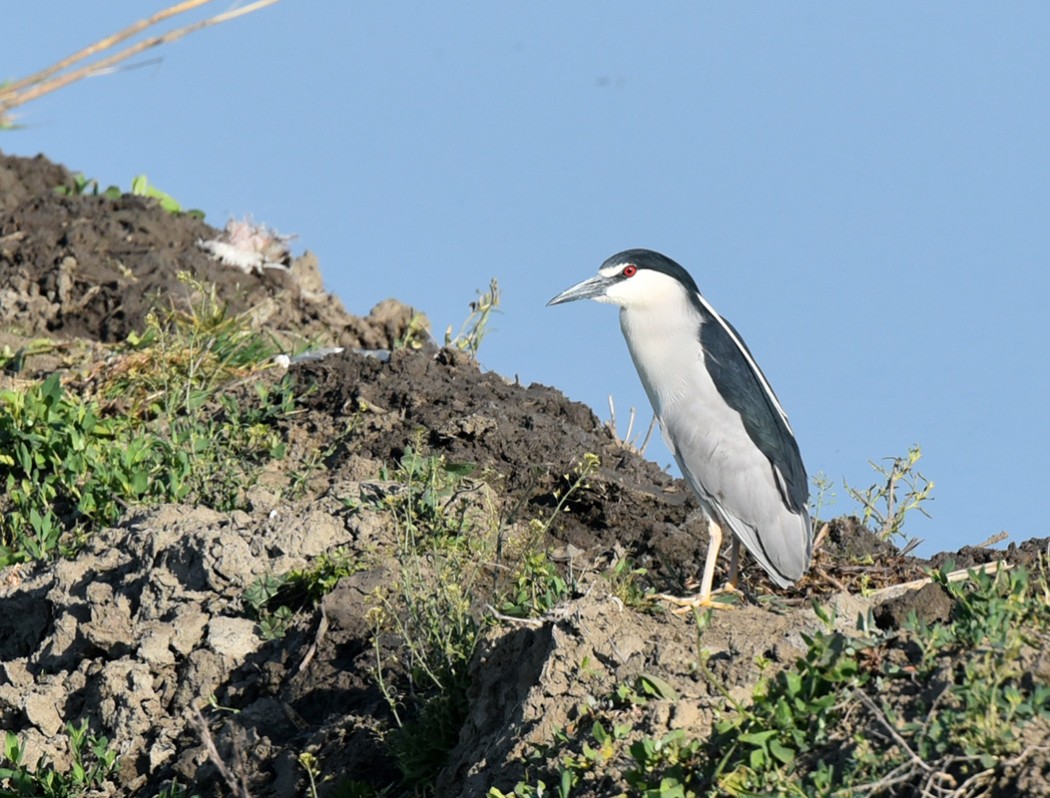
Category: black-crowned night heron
[718,413]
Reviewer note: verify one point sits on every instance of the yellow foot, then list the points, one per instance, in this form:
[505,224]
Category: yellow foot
[723,599]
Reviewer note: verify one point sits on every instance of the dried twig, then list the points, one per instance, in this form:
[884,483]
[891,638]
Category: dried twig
[885,723]
[322,630]
[932,779]
[998,537]
[237,784]
[53,77]
[531,623]
[954,576]
[822,535]
[625,441]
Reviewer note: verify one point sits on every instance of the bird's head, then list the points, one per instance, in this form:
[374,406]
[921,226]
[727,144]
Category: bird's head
[633,278]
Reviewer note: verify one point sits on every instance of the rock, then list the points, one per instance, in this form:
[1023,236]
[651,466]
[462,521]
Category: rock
[233,638]
[930,603]
[42,709]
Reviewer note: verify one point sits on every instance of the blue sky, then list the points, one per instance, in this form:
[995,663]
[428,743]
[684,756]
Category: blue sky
[862,189]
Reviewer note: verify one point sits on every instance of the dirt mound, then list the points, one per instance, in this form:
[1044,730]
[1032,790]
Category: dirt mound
[93,266]
[148,624]
[150,632]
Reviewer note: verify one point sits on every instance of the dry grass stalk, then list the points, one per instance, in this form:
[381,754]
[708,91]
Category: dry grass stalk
[55,77]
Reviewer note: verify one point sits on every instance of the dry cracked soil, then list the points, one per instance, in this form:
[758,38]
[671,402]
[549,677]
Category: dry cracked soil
[145,634]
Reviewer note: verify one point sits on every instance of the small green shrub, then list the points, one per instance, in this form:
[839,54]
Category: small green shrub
[883,506]
[456,563]
[159,422]
[537,584]
[537,587]
[85,186]
[770,746]
[273,599]
[140,187]
[473,331]
[64,468]
[430,501]
[444,540]
[93,762]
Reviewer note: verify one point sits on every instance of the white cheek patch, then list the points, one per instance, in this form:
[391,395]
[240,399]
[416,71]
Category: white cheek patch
[646,287]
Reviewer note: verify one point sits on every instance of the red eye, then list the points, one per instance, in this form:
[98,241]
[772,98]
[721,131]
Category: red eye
[630,270]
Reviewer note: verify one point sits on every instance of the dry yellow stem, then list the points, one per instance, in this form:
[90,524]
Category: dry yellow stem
[53,77]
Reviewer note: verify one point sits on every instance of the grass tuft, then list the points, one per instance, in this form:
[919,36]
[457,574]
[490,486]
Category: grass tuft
[166,419]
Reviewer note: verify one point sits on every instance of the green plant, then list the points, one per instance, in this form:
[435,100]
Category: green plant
[537,587]
[13,361]
[883,504]
[575,481]
[473,330]
[93,761]
[160,422]
[948,709]
[665,766]
[446,542]
[415,334]
[178,376]
[626,580]
[603,736]
[64,467]
[175,790]
[185,354]
[85,186]
[140,187]
[273,599]
[222,448]
[430,498]
[430,614]
[311,765]
[823,496]
[759,749]
[314,462]
[969,724]
[443,541]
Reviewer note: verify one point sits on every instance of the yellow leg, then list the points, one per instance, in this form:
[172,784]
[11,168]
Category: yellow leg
[703,598]
[714,543]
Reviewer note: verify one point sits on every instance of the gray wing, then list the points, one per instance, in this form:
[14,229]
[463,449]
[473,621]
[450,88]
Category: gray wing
[759,492]
[744,388]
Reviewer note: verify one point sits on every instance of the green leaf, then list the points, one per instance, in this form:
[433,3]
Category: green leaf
[671,788]
[599,733]
[782,714]
[757,759]
[139,482]
[12,750]
[460,470]
[657,687]
[565,787]
[781,752]
[758,738]
[51,389]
